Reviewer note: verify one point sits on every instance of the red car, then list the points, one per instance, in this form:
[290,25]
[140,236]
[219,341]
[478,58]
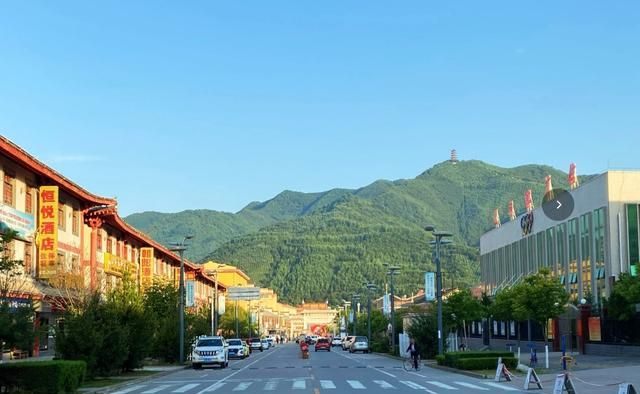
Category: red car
[323,344]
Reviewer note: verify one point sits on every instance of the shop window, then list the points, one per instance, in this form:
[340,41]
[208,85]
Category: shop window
[8,189]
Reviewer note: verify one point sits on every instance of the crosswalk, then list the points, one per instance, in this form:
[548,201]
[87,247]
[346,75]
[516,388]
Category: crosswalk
[298,385]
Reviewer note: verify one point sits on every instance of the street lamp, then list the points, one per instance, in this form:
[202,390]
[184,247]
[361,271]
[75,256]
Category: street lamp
[180,247]
[439,241]
[393,270]
[354,302]
[370,287]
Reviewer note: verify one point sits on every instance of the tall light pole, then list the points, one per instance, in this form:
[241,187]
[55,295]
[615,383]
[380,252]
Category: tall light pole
[393,270]
[439,240]
[370,287]
[180,247]
[354,302]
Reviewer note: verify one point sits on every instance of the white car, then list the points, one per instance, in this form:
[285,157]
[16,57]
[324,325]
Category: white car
[336,341]
[236,348]
[346,342]
[210,351]
[359,344]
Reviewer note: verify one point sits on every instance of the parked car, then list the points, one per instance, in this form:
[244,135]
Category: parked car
[265,344]
[236,348]
[346,342]
[210,351]
[323,344]
[272,342]
[255,344]
[359,344]
[336,341]
[314,339]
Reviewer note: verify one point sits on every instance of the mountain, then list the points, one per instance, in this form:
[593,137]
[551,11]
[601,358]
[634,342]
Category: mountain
[319,246]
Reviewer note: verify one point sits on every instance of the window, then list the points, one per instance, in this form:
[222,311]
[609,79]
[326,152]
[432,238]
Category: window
[62,260]
[28,200]
[573,257]
[108,245]
[599,218]
[8,190]
[551,251]
[61,218]
[632,231]
[28,258]
[75,263]
[99,241]
[562,248]
[586,240]
[75,226]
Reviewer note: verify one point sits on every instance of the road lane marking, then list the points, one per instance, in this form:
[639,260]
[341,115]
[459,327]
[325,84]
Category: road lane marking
[234,373]
[500,386]
[155,390]
[327,384]
[186,388]
[270,385]
[129,389]
[383,384]
[299,385]
[441,385]
[471,386]
[355,384]
[384,372]
[215,386]
[242,386]
[416,386]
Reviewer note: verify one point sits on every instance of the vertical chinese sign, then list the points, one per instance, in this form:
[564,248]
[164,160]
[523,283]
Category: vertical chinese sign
[190,287]
[48,232]
[146,264]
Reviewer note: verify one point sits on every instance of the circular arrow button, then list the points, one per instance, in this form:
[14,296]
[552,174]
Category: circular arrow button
[558,204]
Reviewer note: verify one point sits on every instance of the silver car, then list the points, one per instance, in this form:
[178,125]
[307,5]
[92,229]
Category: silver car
[360,344]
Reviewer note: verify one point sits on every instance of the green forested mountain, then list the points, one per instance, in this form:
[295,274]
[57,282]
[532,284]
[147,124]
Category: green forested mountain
[318,246]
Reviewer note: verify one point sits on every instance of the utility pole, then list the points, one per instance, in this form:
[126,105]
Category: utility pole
[180,248]
[439,241]
[392,271]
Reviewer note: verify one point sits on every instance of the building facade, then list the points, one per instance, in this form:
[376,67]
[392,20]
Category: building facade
[586,252]
[70,239]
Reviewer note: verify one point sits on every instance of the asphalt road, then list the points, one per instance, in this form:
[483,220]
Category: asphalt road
[282,370]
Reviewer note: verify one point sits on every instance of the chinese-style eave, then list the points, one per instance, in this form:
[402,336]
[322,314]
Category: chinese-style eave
[29,162]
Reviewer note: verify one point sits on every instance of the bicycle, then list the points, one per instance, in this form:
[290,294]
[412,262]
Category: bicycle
[408,366]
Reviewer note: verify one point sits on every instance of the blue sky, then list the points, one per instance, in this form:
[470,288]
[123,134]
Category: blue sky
[181,105]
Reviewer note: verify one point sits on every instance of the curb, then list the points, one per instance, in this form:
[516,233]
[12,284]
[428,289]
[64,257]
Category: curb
[458,371]
[108,389]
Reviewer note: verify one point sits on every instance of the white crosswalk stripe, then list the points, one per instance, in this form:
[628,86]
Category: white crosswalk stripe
[299,385]
[214,387]
[383,384]
[471,386]
[270,385]
[129,389]
[416,386]
[186,388]
[156,389]
[441,385]
[327,384]
[355,384]
[242,386]
[501,386]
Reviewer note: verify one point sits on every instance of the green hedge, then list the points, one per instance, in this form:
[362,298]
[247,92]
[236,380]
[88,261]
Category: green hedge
[42,377]
[451,359]
[440,359]
[485,363]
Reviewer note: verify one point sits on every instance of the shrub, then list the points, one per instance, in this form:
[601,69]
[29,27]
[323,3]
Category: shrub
[485,363]
[47,377]
[440,359]
[452,359]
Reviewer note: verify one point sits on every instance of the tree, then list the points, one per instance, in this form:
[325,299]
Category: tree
[459,308]
[503,306]
[161,304]
[228,322]
[424,329]
[16,319]
[539,297]
[624,297]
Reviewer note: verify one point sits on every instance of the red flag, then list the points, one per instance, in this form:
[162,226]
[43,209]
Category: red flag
[496,218]
[548,189]
[528,200]
[512,210]
[573,178]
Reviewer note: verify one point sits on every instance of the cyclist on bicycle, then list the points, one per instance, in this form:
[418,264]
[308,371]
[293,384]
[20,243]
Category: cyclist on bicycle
[414,351]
